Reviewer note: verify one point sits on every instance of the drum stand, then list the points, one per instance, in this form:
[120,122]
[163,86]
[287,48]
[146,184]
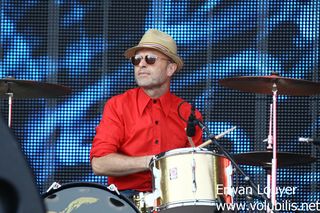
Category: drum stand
[228,155]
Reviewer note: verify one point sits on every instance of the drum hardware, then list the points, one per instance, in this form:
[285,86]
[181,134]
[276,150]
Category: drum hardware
[193,170]
[191,126]
[273,144]
[274,85]
[87,197]
[113,188]
[22,89]
[191,141]
[314,141]
[138,201]
[152,198]
[237,167]
[142,202]
[53,186]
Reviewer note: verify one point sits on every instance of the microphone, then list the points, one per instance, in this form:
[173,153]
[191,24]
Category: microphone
[314,141]
[191,126]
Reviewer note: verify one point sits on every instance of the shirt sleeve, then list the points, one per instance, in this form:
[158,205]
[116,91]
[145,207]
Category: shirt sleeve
[109,132]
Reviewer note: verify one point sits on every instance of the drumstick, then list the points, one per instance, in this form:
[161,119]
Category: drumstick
[216,137]
[205,143]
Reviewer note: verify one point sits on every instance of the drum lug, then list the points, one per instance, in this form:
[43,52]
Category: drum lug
[54,185]
[193,169]
[113,188]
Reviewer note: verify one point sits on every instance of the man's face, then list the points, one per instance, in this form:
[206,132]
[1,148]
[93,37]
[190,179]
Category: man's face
[154,75]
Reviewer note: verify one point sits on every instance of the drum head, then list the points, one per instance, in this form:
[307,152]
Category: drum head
[182,151]
[86,198]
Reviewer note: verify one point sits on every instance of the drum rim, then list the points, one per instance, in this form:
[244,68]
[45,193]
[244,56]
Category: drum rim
[89,184]
[186,203]
[186,151]
[73,184]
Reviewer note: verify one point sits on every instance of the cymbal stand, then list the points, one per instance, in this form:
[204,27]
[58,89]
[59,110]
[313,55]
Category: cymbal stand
[274,145]
[269,147]
[269,140]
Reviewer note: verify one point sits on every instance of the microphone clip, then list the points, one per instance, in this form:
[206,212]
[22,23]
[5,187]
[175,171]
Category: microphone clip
[192,122]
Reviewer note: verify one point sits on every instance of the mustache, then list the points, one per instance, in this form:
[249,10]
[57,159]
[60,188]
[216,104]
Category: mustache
[142,71]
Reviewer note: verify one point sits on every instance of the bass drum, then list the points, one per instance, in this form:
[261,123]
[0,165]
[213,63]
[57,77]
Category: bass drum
[86,198]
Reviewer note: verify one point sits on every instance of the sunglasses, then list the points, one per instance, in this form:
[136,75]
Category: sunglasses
[150,59]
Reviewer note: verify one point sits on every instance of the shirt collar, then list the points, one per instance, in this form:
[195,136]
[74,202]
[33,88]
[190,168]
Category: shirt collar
[144,99]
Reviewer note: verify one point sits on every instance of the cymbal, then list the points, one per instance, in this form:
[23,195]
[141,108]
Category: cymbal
[31,89]
[264,85]
[264,158]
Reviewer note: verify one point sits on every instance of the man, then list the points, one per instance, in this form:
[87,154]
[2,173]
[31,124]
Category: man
[144,121]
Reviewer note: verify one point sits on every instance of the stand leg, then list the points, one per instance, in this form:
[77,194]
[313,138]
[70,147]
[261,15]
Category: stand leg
[269,179]
[274,147]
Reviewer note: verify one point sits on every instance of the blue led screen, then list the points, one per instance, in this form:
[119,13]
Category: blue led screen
[80,44]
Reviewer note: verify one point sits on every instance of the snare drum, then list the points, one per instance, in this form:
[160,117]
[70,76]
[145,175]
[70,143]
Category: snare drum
[190,180]
[86,198]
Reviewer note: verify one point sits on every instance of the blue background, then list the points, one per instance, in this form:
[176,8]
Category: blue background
[80,44]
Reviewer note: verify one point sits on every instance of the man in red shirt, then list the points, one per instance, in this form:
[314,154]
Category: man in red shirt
[144,121]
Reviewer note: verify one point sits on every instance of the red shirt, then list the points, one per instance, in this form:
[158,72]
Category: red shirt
[133,124]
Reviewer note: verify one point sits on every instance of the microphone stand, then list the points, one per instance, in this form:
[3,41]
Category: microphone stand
[227,154]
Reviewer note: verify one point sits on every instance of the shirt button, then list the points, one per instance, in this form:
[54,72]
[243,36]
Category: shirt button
[156,122]
[154,101]
[157,141]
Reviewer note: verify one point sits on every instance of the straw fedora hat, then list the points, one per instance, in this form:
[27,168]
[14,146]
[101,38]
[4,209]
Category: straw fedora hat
[160,41]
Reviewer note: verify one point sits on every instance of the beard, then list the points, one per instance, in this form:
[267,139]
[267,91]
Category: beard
[149,82]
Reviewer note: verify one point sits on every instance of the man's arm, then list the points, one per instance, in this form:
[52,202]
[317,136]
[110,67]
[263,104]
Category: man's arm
[115,164]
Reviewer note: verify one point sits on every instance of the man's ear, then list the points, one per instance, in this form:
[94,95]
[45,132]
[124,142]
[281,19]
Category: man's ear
[171,69]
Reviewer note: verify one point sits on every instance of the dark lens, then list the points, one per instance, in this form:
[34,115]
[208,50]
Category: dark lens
[150,59]
[135,60]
